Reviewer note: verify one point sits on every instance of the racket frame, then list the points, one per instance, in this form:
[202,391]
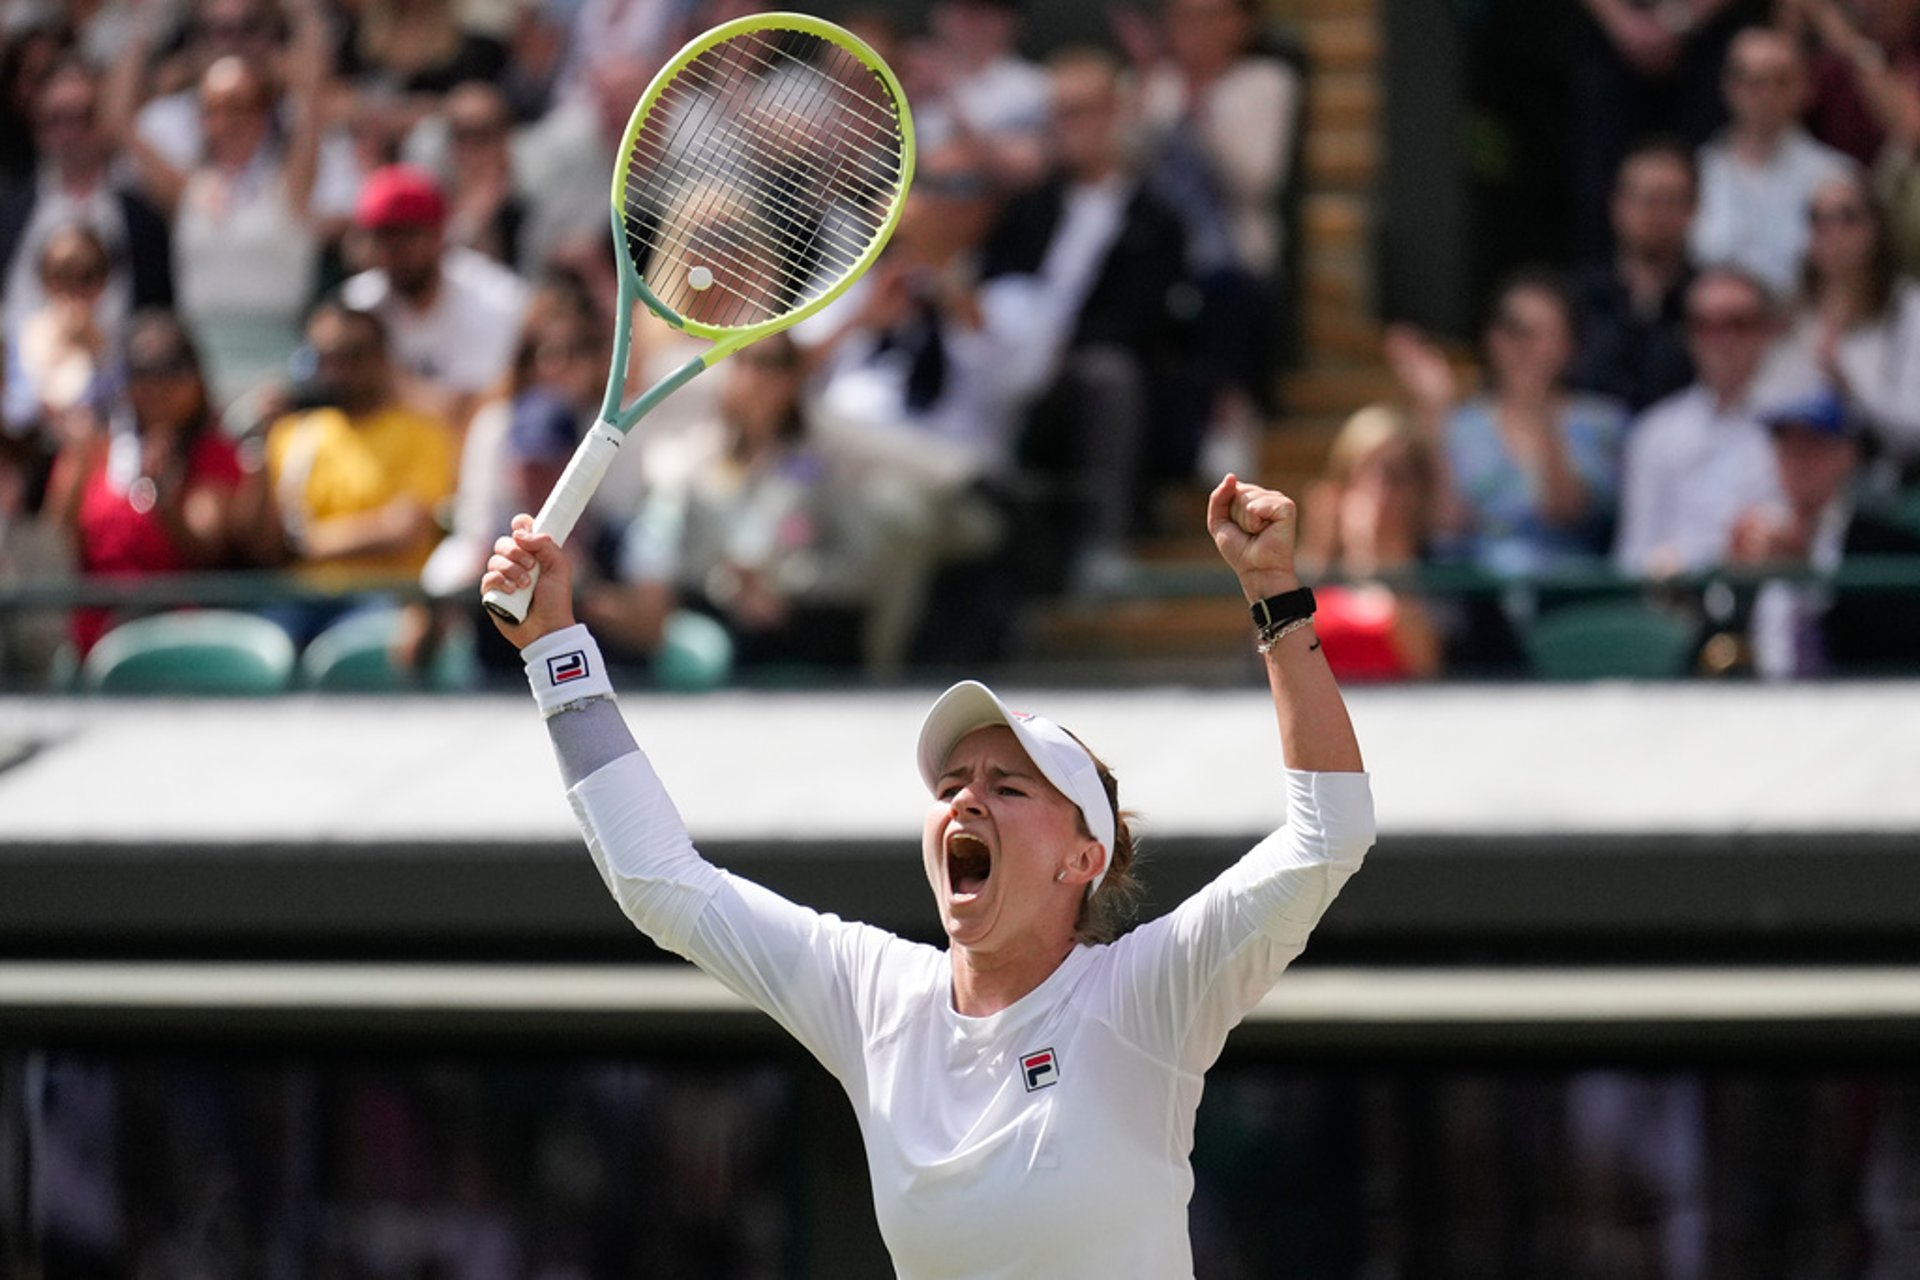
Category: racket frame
[571,493]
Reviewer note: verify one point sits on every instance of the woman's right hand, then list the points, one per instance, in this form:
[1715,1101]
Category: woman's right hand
[510,568]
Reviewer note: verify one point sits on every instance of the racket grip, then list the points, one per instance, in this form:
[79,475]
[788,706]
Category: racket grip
[561,511]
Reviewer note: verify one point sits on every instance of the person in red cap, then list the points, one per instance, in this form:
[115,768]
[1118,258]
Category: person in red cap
[453,314]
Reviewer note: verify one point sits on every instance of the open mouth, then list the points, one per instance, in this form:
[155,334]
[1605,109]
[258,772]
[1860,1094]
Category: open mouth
[969,864]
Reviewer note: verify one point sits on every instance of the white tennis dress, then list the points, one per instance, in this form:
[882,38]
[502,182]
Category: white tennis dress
[1049,1139]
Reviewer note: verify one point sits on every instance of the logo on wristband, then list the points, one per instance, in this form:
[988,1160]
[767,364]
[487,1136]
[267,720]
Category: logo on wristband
[565,668]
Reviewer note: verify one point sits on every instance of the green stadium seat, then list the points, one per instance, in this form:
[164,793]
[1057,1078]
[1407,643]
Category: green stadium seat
[204,651]
[695,654]
[1614,639]
[353,656]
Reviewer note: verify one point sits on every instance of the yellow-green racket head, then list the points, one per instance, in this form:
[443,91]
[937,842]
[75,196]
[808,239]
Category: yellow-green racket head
[761,173]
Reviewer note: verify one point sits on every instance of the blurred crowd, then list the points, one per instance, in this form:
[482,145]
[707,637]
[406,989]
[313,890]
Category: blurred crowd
[340,1168]
[1728,385]
[327,286]
[395,1169]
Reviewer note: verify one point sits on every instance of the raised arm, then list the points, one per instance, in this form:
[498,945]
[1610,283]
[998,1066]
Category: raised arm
[1254,529]
[800,967]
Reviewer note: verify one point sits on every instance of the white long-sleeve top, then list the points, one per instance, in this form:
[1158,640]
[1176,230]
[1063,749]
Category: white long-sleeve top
[1049,1139]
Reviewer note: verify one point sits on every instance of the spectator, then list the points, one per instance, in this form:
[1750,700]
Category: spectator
[1366,522]
[1811,628]
[453,314]
[486,213]
[1644,67]
[1093,260]
[609,35]
[1222,116]
[1862,61]
[1221,119]
[28,52]
[245,243]
[156,487]
[515,449]
[972,86]
[759,533]
[169,119]
[409,53]
[562,161]
[1857,326]
[1525,474]
[357,483]
[1630,312]
[1700,458]
[74,184]
[59,352]
[1756,177]
[912,369]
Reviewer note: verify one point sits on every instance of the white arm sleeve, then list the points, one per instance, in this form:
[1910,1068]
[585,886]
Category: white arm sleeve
[814,974]
[1188,978]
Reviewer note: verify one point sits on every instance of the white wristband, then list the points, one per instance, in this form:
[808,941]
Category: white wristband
[565,667]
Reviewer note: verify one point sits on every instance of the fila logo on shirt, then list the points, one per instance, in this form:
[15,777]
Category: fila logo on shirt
[565,668]
[1039,1070]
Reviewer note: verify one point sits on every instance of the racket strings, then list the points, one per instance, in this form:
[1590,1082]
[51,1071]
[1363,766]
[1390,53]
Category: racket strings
[802,224]
[797,222]
[768,168]
[886,131]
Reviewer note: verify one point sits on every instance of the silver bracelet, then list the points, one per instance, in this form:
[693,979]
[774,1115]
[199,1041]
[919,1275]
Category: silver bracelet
[1268,639]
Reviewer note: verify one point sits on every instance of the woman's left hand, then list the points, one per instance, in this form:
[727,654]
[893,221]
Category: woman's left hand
[1255,530]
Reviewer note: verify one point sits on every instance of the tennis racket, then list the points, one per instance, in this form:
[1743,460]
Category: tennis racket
[760,175]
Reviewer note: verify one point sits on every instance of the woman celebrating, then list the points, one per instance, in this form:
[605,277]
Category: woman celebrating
[1027,1095]
[1856,328]
[1526,474]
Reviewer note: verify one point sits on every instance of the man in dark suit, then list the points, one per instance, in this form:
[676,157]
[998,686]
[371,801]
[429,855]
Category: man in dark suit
[1810,628]
[1105,263]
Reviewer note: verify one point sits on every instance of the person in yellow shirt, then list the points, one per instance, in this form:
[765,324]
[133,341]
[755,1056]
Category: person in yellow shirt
[357,483]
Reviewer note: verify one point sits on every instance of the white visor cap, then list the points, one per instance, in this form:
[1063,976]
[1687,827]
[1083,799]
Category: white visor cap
[970,705]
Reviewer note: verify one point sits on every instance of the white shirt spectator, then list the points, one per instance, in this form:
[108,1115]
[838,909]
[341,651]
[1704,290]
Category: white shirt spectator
[171,126]
[464,341]
[1246,123]
[1755,216]
[1692,469]
[243,262]
[1881,364]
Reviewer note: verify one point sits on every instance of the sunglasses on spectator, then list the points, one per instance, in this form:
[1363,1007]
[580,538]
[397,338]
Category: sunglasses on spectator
[231,30]
[1514,326]
[1759,79]
[74,275]
[1837,215]
[475,130]
[345,353]
[174,366]
[1731,322]
[65,118]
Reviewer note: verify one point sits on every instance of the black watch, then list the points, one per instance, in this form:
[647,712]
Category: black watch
[1277,611]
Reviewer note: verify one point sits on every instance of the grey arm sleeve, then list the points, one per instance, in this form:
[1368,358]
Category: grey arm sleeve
[588,738]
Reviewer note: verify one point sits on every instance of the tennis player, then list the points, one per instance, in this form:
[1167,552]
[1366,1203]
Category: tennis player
[1027,1095]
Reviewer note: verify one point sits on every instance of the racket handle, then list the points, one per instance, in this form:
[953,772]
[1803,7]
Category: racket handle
[562,511]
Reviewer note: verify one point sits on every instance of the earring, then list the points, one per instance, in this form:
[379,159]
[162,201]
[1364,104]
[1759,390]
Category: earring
[1060,876]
